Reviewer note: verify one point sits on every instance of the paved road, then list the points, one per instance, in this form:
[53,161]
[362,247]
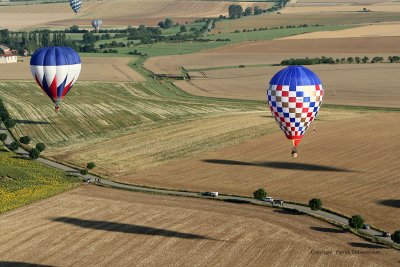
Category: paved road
[234,199]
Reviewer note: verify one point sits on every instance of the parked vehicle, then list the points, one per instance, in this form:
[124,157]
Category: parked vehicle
[268,199]
[278,202]
[366,227]
[210,194]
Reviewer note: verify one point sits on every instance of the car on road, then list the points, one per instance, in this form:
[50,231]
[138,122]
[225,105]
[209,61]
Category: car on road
[268,199]
[277,202]
[210,194]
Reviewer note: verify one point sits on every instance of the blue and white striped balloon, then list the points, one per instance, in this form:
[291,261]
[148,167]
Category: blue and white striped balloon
[75,5]
[55,69]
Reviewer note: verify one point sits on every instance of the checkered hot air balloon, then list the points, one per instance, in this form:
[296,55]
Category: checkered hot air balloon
[295,97]
[75,5]
[55,69]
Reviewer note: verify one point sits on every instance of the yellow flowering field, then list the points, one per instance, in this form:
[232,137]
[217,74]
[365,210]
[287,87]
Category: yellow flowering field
[23,181]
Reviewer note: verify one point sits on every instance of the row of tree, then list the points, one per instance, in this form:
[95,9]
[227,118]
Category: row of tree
[330,60]
[31,41]
[355,221]
[236,11]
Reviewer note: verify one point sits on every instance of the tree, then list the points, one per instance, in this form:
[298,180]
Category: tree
[90,165]
[34,153]
[161,24]
[260,194]
[365,59]
[396,237]
[84,172]
[357,59]
[168,23]
[3,137]
[183,28]
[235,11]
[25,139]
[41,147]
[9,123]
[315,204]
[248,11]
[13,146]
[257,10]
[350,60]
[74,29]
[356,221]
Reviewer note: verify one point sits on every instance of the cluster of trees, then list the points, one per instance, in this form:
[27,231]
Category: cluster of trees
[166,24]
[236,11]
[330,60]
[33,40]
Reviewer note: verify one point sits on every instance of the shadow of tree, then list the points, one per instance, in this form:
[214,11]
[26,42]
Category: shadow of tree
[279,165]
[327,230]
[236,201]
[126,228]
[288,212]
[394,203]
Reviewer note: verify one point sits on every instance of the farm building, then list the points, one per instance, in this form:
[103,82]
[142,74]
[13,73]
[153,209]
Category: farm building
[7,55]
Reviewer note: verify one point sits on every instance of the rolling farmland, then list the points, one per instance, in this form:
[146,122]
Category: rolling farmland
[359,84]
[321,18]
[115,13]
[94,113]
[99,227]
[351,171]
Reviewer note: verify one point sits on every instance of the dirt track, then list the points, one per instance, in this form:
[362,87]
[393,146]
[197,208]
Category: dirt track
[98,227]
[352,165]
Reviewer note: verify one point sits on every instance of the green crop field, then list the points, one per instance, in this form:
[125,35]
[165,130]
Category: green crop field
[273,33]
[23,181]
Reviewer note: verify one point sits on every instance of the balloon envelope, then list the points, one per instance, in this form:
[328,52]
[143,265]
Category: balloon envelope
[75,5]
[55,69]
[97,24]
[294,96]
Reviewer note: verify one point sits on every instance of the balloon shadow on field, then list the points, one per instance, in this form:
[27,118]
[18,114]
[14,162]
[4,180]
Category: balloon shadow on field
[327,230]
[366,245]
[29,122]
[394,203]
[279,165]
[21,264]
[127,228]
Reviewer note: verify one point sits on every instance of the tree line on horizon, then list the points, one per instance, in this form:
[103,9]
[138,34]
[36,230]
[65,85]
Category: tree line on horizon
[330,60]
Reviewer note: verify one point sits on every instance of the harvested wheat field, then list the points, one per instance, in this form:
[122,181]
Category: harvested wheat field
[113,12]
[345,84]
[93,69]
[375,30]
[103,227]
[351,164]
[310,6]
[312,18]
[272,52]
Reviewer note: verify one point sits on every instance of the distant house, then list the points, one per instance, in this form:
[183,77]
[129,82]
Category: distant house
[7,55]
